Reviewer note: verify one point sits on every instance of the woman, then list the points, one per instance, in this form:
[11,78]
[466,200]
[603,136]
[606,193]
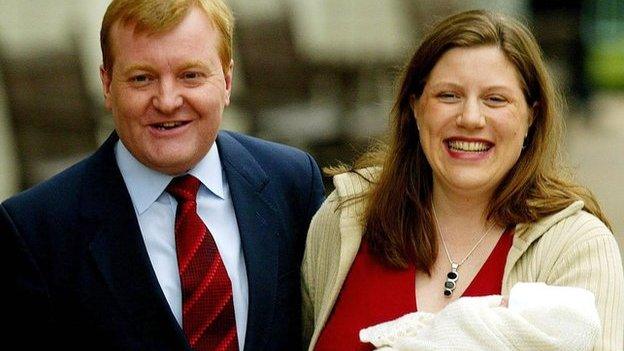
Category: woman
[468,199]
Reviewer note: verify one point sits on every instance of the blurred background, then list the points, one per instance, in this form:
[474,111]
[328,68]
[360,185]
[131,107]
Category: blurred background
[316,74]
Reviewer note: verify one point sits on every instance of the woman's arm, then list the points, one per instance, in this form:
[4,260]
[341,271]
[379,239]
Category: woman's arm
[321,245]
[590,259]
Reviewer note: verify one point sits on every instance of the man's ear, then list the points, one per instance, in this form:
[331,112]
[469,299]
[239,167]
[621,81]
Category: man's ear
[106,77]
[228,75]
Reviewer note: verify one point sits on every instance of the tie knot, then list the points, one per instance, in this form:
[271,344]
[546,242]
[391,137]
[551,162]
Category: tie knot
[184,188]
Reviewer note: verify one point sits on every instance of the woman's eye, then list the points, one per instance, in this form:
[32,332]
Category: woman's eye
[448,96]
[496,100]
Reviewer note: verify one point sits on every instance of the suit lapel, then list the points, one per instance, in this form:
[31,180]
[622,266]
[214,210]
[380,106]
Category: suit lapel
[259,229]
[120,254]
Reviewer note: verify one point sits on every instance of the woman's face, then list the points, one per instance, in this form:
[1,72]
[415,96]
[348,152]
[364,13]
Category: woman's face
[472,118]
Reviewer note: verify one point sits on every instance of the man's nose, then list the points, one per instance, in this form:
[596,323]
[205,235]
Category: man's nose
[471,115]
[168,98]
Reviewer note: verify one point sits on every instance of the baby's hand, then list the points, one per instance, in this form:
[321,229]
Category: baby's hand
[504,301]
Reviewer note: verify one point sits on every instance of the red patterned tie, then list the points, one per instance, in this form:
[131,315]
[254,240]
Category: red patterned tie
[207,306]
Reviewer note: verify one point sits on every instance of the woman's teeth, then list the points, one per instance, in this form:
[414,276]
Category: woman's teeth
[470,146]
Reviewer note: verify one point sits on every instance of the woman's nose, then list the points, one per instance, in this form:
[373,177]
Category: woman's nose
[471,116]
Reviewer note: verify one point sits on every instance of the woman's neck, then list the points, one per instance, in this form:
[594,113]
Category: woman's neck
[461,217]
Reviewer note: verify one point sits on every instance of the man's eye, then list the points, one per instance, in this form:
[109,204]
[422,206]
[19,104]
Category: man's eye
[140,79]
[192,75]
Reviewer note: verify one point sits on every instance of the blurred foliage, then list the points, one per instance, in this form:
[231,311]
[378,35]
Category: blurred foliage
[605,64]
[604,38]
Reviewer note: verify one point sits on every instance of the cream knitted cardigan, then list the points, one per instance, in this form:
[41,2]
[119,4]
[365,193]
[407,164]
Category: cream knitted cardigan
[569,248]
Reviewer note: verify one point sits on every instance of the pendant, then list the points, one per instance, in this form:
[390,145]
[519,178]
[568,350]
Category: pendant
[451,278]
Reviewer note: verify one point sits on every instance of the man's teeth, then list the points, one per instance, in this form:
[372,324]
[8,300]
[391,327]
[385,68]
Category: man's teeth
[471,146]
[169,125]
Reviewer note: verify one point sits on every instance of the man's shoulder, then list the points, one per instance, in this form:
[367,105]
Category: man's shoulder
[269,155]
[285,168]
[261,147]
[56,192]
[59,190]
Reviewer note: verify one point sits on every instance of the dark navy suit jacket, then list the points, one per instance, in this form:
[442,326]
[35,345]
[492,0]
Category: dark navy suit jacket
[76,275]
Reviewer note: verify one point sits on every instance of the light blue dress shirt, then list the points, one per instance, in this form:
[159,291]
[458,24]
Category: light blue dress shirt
[156,209]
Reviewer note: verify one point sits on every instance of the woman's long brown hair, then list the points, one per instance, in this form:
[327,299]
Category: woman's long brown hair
[398,222]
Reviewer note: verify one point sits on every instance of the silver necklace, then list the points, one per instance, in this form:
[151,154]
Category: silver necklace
[453,275]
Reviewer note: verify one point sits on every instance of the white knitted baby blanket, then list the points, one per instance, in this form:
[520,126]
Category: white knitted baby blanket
[538,317]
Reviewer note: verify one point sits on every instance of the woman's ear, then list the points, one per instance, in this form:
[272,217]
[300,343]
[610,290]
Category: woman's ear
[532,113]
[413,101]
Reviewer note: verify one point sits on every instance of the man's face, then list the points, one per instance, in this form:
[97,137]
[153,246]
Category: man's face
[167,92]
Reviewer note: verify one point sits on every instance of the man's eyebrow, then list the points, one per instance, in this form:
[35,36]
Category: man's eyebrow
[194,64]
[137,67]
[147,68]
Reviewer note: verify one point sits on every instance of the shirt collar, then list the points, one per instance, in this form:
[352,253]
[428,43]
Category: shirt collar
[145,185]
[210,173]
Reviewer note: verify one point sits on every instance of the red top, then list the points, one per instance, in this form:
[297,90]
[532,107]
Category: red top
[373,293]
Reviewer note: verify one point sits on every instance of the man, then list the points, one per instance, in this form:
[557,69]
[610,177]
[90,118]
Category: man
[172,236]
